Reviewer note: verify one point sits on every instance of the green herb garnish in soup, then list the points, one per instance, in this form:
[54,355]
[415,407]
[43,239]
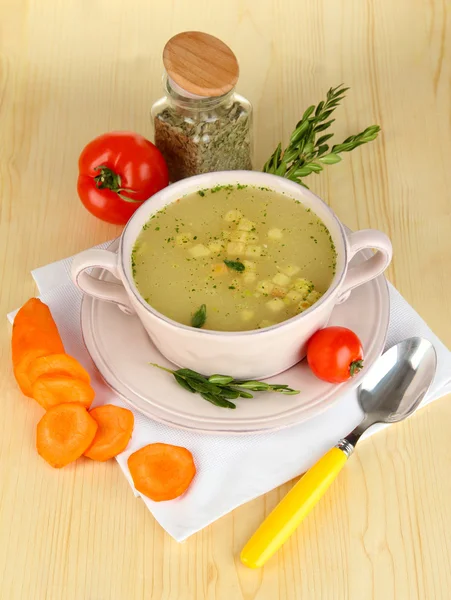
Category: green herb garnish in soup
[199,317]
[252,256]
[236,265]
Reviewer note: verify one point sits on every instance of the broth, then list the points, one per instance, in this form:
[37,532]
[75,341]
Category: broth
[252,256]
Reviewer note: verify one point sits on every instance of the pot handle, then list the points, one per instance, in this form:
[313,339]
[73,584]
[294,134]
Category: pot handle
[103,290]
[370,268]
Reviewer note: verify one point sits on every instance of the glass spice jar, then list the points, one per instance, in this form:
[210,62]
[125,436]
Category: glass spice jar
[202,124]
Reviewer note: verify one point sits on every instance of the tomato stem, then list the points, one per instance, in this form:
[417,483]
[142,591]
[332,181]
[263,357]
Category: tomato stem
[355,367]
[108,179]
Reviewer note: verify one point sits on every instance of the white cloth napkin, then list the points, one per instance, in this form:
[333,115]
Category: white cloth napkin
[231,470]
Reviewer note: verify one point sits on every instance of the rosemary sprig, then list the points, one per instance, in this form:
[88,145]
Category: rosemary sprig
[221,389]
[306,153]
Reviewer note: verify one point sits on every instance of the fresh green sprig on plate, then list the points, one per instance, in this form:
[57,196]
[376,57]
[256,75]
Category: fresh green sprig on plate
[221,389]
[307,153]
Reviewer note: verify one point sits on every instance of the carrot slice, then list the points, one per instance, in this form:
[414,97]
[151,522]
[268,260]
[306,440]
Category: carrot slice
[64,433]
[57,364]
[34,335]
[162,471]
[114,432]
[34,312]
[51,390]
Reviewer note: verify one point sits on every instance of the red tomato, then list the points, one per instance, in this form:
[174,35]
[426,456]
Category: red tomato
[117,172]
[335,354]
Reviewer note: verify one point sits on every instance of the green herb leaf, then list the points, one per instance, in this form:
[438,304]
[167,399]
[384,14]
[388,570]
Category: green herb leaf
[308,112]
[188,373]
[220,379]
[299,131]
[217,401]
[306,150]
[324,126]
[319,108]
[330,159]
[184,384]
[208,388]
[245,395]
[302,172]
[323,139]
[199,317]
[235,265]
[288,392]
[322,149]
[229,393]
[281,169]
[217,389]
[255,386]
[290,154]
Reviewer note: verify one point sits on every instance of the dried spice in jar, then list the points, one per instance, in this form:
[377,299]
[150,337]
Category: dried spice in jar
[202,124]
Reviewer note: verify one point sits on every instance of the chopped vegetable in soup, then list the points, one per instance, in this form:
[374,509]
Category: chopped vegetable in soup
[245,257]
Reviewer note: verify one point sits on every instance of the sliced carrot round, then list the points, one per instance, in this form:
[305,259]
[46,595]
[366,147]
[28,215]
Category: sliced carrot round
[51,390]
[35,334]
[22,368]
[57,364]
[64,433]
[114,431]
[162,471]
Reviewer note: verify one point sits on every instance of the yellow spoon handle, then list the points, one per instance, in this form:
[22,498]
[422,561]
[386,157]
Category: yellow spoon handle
[296,505]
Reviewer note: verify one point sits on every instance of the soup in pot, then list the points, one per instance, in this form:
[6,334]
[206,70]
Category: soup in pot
[233,258]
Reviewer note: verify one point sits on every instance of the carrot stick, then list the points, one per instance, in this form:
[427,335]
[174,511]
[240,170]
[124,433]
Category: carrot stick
[113,434]
[64,433]
[51,390]
[34,334]
[162,471]
[57,364]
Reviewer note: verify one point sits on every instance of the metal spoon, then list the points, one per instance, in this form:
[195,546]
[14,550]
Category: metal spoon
[390,392]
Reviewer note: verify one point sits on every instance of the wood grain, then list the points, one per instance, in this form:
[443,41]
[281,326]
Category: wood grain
[200,64]
[78,69]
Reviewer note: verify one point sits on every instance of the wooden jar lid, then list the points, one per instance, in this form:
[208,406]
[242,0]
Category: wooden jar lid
[200,64]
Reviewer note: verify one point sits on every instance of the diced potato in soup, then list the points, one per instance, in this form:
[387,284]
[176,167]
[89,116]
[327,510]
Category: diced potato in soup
[252,238]
[249,277]
[281,279]
[216,245]
[233,216]
[290,270]
[265,287]
[199,251]
[246,225]
[237,248]
[253,256]
[293,296]
[239,236]
[275,305]
[249,265]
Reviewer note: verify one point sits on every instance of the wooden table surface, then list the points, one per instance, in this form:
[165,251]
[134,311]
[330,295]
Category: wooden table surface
[71,70]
